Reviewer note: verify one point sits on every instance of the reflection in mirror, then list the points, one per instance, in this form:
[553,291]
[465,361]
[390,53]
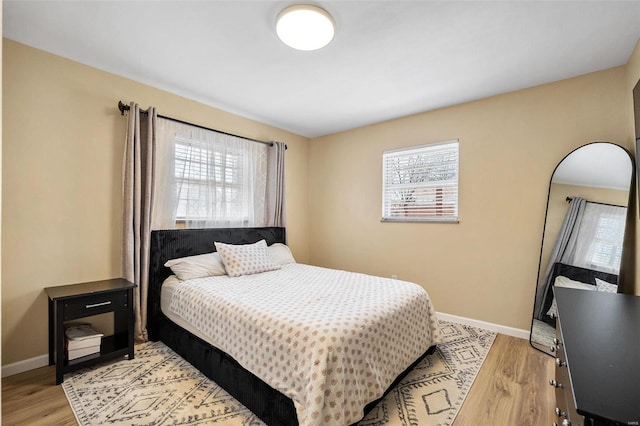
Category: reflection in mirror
[584,230]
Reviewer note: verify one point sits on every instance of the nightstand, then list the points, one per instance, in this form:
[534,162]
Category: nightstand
[71,302]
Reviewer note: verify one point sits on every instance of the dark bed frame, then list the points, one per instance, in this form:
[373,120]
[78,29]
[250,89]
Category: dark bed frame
[270,405]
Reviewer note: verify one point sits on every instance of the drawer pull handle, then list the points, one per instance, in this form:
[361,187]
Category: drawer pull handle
[95,305]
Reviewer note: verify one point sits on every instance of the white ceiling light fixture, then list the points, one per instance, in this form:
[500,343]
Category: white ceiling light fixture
[305,27]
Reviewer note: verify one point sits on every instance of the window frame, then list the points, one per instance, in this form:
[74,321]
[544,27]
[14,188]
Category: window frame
[224,168]
[451,183]
[604,247]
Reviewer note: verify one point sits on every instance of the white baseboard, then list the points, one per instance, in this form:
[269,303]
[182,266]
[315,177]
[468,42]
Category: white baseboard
[43,360]
[25,365]
[509,331]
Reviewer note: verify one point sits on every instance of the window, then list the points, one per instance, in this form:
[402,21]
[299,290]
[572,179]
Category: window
[219,180]
[210,179]
[209,182]
[606,251]
[599,238]
[421,183]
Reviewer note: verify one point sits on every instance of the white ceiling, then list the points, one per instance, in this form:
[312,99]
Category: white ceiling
[388,59]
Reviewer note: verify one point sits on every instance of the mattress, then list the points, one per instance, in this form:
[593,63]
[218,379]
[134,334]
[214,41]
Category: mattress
[330,340]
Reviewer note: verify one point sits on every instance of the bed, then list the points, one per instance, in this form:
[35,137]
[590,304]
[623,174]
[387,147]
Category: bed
[268,403]
[577,274]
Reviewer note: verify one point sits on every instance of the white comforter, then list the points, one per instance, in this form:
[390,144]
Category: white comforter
[330,340]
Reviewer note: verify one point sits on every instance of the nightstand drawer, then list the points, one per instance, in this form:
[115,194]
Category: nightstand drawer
[86,306]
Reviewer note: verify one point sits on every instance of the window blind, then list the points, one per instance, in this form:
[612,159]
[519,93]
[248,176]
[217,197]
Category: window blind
[421,183]
[606,253]
[200,169]
[599,238]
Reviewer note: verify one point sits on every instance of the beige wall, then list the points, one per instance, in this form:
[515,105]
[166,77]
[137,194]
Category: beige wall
[62,152]
[484,267]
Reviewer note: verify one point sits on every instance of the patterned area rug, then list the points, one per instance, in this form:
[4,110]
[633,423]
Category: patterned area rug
[160,388]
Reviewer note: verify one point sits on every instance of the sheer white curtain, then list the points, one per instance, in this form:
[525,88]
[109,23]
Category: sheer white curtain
[598,241]
[209,179]
[164,213]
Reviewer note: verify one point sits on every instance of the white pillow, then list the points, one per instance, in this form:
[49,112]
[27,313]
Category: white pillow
[246,259]
[566,282]
[191,267]
[281,254]
[605,286]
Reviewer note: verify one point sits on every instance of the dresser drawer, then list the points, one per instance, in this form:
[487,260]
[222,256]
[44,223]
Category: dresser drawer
[89,305]
[561,381]
[564,393]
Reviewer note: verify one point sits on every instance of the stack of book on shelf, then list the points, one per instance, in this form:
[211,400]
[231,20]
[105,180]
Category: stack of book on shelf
[82,341]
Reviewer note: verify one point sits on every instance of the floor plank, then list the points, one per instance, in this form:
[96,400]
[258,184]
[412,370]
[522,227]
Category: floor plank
[510,389]
[32,398]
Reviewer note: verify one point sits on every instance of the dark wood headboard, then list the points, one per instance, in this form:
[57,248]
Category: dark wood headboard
[176,243]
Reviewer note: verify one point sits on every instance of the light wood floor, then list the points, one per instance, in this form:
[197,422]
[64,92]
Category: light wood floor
[512,388]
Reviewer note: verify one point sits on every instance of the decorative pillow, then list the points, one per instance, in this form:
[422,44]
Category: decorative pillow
[281,254]
[202,265]
[605,286]
[246,259]
[566,282]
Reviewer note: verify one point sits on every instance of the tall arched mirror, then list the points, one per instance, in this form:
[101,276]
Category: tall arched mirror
[584,230]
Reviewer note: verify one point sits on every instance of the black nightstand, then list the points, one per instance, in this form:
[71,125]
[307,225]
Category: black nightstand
[70,302]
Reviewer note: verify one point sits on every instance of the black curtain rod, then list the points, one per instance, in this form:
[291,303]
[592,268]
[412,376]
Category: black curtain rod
[568,200]
[123,107]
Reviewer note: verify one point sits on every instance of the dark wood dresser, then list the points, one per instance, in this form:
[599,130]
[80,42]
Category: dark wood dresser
[598,358]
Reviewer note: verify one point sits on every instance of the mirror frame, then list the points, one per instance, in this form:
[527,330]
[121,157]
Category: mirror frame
[626,275]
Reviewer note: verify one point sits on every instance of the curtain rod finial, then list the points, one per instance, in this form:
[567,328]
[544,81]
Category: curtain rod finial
[122,107]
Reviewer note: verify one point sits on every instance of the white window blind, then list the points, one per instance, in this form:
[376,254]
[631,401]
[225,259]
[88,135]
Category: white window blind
[599,238]
[421,183]
[199,170]
[220,180]
[606,252]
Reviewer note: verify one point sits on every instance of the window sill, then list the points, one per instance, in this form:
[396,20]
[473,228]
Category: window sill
[422,220]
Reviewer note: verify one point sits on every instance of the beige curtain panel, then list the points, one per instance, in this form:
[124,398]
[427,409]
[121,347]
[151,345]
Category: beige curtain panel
[138,187]
[275,200]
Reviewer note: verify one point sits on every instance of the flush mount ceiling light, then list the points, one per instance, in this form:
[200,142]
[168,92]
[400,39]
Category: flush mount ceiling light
[305,27]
